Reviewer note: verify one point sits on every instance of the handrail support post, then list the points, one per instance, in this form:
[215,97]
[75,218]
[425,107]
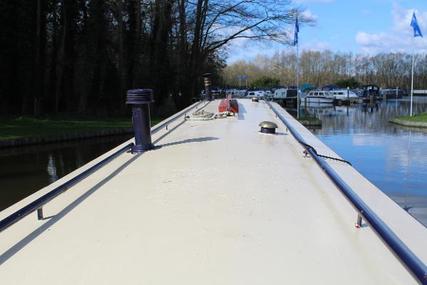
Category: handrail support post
[359,221]
[40,215]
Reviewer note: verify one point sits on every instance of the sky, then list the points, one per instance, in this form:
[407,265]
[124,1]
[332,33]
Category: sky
[358,26]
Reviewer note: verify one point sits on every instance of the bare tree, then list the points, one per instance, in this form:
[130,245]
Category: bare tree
[326,67]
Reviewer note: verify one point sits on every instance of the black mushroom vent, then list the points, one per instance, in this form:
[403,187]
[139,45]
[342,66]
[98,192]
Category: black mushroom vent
[139,96]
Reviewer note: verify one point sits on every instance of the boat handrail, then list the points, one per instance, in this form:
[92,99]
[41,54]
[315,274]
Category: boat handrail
[177,115]
[37,205]
[417,268]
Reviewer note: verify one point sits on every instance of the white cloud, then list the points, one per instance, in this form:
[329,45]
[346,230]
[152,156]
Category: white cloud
[399,38]
[308,15]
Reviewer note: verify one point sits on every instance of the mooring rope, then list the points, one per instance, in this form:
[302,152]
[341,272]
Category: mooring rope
[306,145]
[201,115]
[325,156]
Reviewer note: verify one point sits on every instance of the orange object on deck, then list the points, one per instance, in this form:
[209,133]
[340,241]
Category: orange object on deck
[228,105]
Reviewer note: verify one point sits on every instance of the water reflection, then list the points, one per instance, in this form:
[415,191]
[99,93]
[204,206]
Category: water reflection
[392,157]
[24,170]
[51,169]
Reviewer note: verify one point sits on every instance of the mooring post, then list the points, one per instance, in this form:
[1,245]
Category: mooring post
[348,95]
[140,100]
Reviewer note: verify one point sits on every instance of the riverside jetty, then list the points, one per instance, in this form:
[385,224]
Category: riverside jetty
[216,201]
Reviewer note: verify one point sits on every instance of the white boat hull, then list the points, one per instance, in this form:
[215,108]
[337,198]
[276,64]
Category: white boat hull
[318,99]
[345,98]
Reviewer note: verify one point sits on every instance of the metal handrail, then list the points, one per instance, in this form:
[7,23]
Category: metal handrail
[38,204]
[417,268]
[176,116]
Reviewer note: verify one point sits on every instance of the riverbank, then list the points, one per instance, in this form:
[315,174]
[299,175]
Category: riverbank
[418,121]
[27,130]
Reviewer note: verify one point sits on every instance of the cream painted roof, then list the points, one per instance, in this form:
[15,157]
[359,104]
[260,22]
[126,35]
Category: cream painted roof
[217,203]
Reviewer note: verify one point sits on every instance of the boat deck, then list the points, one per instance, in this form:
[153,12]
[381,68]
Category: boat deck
[217,203]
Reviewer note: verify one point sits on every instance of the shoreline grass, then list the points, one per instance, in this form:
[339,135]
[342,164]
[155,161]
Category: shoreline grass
[422,118]
[416,121]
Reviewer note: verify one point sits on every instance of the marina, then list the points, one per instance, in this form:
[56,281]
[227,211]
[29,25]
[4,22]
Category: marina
[193,207]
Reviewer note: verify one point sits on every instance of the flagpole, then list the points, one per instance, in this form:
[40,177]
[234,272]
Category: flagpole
[296,40]
[417,33]
[412,83]
[297,80]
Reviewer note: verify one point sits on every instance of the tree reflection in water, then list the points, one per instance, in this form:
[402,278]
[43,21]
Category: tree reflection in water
[24,170]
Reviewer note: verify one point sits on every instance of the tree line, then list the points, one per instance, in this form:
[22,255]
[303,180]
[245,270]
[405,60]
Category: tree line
[81,56]
[319,68]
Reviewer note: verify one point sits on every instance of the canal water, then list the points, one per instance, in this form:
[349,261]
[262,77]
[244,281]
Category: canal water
[392,157]
[24,170]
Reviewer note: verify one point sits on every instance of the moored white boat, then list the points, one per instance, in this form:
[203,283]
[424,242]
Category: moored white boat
[344,95]
[319,96]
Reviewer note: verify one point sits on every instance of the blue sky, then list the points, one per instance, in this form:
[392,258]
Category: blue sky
[362,26]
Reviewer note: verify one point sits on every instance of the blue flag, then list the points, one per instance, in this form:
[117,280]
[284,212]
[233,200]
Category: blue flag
[296,31]
[414,25]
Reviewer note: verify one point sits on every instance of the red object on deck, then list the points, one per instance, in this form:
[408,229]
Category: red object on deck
[228,105]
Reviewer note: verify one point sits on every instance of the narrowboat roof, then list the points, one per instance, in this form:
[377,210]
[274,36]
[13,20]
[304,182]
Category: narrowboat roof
[217,202]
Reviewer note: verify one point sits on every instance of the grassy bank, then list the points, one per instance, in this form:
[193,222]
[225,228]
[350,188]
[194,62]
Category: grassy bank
[26,127]
[415,118]
[417,121]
